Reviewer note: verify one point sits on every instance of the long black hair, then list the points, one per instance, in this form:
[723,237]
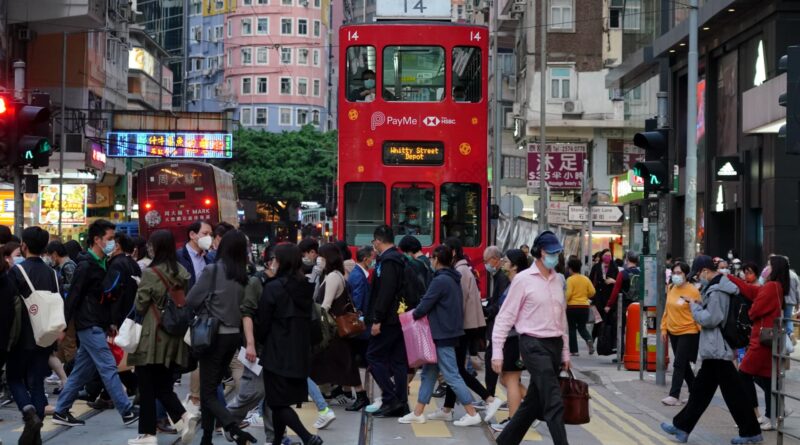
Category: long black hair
[290,261]
[163,244]
[457,246]
[779,271]
[443,254]
[233,253]
[333,258]
[516,257]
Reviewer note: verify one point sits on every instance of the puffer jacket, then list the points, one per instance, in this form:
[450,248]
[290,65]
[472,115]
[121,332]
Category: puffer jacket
[710,314]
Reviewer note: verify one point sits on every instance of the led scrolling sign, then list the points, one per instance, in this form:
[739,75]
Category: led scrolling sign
[144,144]
[413,153]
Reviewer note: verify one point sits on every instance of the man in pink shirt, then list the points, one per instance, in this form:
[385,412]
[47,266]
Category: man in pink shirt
[536,307]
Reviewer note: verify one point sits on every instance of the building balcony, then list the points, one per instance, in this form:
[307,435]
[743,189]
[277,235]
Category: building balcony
[52,14]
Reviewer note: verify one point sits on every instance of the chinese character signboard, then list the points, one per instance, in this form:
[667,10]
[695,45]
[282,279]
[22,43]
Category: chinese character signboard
[155,218]
[73,205]
[7,207]
[143,144]
[563,165]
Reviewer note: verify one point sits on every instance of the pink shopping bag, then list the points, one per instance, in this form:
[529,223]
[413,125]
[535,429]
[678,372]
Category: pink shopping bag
[420,349]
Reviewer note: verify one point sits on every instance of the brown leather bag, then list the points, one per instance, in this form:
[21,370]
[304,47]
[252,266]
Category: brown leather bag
[575,395]
[348,320]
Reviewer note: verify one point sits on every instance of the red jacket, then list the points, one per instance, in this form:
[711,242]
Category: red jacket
[767,301]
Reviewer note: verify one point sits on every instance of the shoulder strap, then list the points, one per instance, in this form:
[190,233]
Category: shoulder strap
[25,275]
[161,277]
[58,289]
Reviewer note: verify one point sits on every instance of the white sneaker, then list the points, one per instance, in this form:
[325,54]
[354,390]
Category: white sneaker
[375,406]
[325,418]
[255,420]
[491,409]
[189,427]
[190,406]
[412,418]
[499,427]
[53,378]
[144,439]
[441,415]
[766,424]
[468,420]
[671,401]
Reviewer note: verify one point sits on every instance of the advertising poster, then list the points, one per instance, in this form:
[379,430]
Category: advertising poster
[73,205]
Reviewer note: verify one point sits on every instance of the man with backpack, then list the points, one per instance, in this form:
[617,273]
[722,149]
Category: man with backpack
[715,317]
[417,271]
[623,289]
[89,305]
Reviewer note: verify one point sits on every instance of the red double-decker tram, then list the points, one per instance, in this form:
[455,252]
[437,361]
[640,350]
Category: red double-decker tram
[412,133]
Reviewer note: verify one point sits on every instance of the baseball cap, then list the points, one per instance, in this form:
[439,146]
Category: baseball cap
[548,242]
[702,262]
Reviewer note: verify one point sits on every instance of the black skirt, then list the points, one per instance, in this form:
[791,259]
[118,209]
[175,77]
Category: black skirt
[284,391]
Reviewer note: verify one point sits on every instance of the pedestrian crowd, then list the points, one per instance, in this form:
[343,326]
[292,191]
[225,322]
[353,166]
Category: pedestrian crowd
[258,336]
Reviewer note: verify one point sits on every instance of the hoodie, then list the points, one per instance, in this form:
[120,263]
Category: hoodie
[89,301]
[710,315]
[443,304]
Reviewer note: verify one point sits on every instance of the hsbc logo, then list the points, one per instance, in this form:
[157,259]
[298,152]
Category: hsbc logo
[431,121]
[379,119]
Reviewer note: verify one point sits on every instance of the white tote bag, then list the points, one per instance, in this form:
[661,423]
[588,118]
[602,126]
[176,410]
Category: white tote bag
[128,336]
[46,312]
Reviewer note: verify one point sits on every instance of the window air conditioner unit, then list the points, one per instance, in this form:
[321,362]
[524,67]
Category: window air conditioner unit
[518,8]
[520,2]
[25,35]
[573,107]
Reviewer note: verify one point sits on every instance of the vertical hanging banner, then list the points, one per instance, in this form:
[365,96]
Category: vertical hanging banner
[563,165]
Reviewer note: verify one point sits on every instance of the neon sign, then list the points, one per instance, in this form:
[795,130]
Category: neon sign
[413,153]
[144,144]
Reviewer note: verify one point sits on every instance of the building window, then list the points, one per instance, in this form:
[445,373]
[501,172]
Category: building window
[220,4]
[230,28]
[302,27]
[197,33]
[286,86]
[193,92]
[247,56]
[285,116]
[261,116]
[286,56]
[302,116]
[286,26]
[315,117]
[247,2]
[247,27]
[218,33]
[247,85]
[263,2]
[262,55]
[197,64]
[302,86]
[246,116]
[560,83]
[317,3]
[317,28]
[632,18]
[302,56]
[316,57]
[561,16]
[263,26]
[197,7]
[286,2]
[229,63]
[261,85]
[315,88]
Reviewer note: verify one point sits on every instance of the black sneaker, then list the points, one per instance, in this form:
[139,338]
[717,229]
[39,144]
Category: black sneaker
[67,419]
[131,416]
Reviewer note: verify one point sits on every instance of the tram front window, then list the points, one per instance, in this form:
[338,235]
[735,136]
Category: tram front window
[412,211]
[413,74]
[461,213]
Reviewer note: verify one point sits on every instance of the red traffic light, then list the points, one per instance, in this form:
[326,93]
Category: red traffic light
[3,107]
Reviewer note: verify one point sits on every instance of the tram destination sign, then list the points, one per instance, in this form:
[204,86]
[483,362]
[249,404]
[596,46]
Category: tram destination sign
[413,9]
[159,144]
[413,153]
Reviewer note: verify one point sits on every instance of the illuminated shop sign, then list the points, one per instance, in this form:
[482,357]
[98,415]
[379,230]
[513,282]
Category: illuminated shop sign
[144,144]
[413,153]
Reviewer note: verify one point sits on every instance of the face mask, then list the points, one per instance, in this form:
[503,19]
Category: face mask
[491,269]
[320,262]
[703,282]
[109,247]
[19,260]
[372,264]
[761,280]
[204,242]
[724,271]
[369,83]
[730,256]
[677,280]
[550,261]
[308,261]
[49,261]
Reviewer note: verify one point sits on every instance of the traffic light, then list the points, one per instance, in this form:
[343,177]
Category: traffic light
[33,132]
[791,99]
[7,130]
[654,170]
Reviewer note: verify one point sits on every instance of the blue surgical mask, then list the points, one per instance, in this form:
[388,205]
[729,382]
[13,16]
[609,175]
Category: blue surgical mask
[372,264]
[109,247]
[369,83]
[677,280]
[491,269]
[761,281]
[550,261]
[19,259]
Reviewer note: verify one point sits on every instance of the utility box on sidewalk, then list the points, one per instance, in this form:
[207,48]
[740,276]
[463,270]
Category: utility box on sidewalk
[633,340]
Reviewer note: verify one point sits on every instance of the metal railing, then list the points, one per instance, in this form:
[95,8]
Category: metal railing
[784,387]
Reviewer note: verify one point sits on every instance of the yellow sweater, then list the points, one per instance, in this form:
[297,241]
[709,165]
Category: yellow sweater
[579,290]
[678,318]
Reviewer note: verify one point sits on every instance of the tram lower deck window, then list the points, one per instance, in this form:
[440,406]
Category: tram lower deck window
[365,209]
[461,213]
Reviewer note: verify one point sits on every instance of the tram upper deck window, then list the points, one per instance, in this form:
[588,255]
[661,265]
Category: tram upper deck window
[413,74]
[461,213]
[361,74]
[412,211]
[467,74]
[365,207]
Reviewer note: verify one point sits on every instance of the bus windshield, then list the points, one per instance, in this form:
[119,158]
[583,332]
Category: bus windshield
[412,211]
[413,74]
[461,213]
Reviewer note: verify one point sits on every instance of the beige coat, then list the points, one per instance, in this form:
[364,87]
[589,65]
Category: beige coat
[473,311]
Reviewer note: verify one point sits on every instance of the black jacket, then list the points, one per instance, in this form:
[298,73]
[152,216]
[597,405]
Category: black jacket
[7,295]
[186,261]
[500,282]
[88,304]
[121,270]
[43,277]
[284,327]
[386,288]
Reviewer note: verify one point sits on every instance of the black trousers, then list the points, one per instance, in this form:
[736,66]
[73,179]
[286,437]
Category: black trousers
[386,356]
[722,374]
[542,357]
[577,317]
[156,383]
[472,383]
[750,381]
[685,349]
[212,370]
[489,376]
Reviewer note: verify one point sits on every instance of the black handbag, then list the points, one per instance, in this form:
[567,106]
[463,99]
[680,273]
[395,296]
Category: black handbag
[174,318]
[204,326]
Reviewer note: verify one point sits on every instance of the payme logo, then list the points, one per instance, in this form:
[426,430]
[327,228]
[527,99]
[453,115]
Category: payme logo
[379,119]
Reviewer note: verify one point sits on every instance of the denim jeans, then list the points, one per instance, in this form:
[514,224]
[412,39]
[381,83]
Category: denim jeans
[787,313]
[25,373]
[316,396]
[446,357]
[93,353]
